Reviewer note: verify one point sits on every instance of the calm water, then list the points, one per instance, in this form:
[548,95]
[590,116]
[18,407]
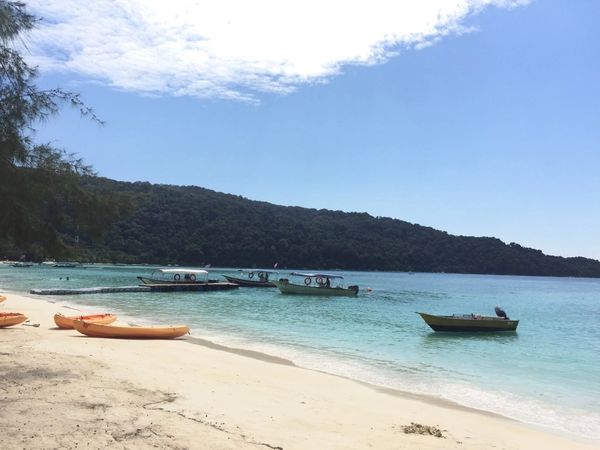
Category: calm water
[547,373]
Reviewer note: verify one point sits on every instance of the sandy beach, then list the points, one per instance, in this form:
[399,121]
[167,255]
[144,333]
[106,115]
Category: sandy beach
[61,389]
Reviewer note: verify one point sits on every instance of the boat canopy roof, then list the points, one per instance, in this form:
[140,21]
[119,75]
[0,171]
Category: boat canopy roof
[322,275]
[257,271]
[194,271]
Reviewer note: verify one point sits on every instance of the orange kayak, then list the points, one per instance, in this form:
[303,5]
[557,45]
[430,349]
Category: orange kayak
[9,318]
[66,323]
[127,332]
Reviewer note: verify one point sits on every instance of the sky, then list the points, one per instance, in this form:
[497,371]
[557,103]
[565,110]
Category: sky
[478,118]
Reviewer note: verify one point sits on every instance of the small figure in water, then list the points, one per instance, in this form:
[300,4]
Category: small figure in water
[67,278]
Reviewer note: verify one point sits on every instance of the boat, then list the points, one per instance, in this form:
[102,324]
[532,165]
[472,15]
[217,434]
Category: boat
[22,264]
[253,278]
[2,298]
[166,280]
[64,265]
[316,284]
[129,332]
[470,322]
[8,319]
[66,322]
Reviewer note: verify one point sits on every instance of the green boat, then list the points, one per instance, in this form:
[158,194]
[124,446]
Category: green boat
[317,284]
[470,322]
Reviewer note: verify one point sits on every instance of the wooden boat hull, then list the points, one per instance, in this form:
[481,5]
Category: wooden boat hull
[469,323]
[249,283]
[8,319]
[127,332]
[290,288]
[66,323]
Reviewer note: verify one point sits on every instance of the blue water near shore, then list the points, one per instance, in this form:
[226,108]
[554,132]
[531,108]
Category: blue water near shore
[547,373]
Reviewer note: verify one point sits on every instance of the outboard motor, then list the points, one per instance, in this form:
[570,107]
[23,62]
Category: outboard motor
[500,312]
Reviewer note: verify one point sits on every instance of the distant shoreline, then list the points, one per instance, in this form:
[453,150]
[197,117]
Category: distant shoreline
[149,266]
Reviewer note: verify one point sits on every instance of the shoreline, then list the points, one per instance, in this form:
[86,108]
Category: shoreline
[397,392]
[275,353]
[255,389]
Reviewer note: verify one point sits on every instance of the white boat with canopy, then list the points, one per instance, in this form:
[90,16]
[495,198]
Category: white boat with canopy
[183,280]
[316,284]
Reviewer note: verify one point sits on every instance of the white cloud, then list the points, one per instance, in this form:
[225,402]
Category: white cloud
[234,48]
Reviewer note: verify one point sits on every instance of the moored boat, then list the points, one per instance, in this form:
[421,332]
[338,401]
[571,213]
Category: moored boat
[65,265]
[321,284]
[469,322]
[129,332]
[23,264]
[2,298]
[8,319]
[166,280]
[66,322]
[253,278]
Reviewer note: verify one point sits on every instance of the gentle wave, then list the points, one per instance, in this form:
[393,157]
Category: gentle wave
[426,380]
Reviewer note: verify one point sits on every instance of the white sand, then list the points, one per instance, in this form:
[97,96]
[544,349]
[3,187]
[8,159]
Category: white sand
[64,390]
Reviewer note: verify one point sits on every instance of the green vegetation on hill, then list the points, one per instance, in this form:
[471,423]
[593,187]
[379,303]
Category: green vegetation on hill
[195,226]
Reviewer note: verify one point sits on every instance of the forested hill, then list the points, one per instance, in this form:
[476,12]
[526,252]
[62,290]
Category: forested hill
[195,226]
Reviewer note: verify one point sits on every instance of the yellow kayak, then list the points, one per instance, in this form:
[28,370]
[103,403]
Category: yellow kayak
[127,332]
[8,319]
[66,322]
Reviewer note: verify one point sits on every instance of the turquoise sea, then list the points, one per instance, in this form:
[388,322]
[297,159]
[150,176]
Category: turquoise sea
[547,373]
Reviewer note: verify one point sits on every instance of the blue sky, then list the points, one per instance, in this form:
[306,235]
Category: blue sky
[485,123]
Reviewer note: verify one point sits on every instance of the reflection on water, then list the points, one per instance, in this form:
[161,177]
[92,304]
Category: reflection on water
[443,337]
